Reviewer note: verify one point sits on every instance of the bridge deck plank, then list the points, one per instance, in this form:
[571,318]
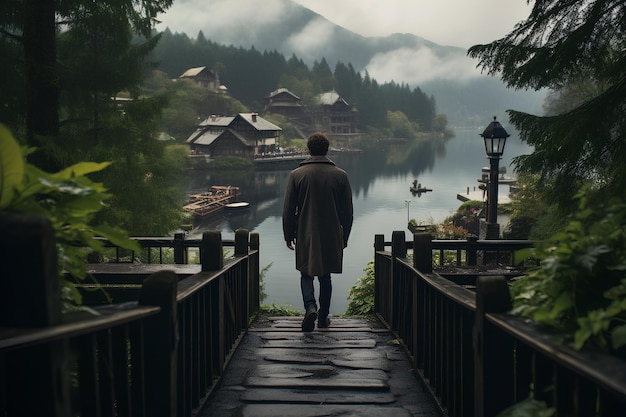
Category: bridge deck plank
[355,366]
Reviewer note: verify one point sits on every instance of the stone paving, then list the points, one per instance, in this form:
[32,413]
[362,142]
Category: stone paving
[354,368]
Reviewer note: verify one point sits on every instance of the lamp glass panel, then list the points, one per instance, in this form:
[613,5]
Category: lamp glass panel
[494,146]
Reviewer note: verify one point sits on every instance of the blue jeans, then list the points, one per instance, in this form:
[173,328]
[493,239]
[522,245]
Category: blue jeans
[308,292]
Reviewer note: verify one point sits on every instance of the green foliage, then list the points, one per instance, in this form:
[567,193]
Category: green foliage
[262,275]
[94,58]
[457,226]
[467,217]
[289,131]
[528,206]
[188,103]
[580,287]
[401,126]
[531,216]
[69,199]
[528,408]
[231,163]
[279,310]
[361,296]
[177,52]
[567,45]
[299,145]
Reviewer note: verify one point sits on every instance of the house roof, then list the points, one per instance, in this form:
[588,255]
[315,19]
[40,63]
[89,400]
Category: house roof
[282,91]
[203,135]
[217,121]
[192,72]
[207,138]
[260,123]
[330,98]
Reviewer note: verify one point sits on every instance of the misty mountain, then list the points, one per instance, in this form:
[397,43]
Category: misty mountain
[460,90]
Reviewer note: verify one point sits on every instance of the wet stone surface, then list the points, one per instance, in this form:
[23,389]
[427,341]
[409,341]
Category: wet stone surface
[353,368]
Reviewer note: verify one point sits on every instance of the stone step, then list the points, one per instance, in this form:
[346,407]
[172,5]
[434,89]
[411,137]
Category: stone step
[311,396]
[326,410]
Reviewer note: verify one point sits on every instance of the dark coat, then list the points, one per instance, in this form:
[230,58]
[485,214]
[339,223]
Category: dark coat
[317,212]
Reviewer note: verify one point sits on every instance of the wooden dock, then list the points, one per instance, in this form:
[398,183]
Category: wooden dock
[355,368]
[212,201]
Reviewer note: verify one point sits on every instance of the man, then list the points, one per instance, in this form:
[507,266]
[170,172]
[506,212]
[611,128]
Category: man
[317,219]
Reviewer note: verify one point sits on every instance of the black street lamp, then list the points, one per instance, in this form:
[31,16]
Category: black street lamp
[495,139]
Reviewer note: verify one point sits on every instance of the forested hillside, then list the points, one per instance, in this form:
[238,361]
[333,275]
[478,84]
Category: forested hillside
[250,75]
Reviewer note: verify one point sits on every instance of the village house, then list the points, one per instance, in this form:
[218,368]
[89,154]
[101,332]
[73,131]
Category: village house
[333,115]
[283,101]
[328,112]
[204,77]
[244,135]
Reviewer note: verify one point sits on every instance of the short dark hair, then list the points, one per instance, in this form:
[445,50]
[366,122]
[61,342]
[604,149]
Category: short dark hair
[318,144]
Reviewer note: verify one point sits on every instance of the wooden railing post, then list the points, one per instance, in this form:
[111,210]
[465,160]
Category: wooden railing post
[379,245]
[161,343]
[471,252]
[212,251]
[379,242]
[423,252]
[255,285]
[179,248]
[493,354]
[241,250]
[30,295]
[398,244]
[37,383]
[241,242]
[398,250]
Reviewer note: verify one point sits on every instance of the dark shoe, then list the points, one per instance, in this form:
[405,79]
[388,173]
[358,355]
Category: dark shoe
[323,322]
[308,324]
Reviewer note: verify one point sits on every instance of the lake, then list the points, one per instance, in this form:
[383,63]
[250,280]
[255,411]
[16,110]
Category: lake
[380,178]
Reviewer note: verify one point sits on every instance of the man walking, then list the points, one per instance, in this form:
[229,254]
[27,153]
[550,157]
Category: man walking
[317,219]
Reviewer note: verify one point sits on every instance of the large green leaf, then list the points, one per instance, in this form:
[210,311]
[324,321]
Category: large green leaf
[11,167]
[618,337]
[80,169]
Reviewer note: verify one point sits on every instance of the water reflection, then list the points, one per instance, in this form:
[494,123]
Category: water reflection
[381,178]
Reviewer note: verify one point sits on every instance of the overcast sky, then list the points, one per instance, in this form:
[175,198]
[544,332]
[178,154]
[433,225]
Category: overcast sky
[460,23]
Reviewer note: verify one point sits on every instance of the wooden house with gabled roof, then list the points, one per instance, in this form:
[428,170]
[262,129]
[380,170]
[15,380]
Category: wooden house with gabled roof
[202,76]
[283,101]
[244,135]
[331,113]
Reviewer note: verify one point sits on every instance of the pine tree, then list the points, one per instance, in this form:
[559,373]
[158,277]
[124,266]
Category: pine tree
[561,43]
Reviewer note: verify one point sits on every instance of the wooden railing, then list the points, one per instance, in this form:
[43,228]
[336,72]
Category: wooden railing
[496,252]
[475,358]
[157,250]
[158,355]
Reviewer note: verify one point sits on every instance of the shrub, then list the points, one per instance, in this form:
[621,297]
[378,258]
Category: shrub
[467,216]
[279,310]
[361,295]
[69,200]
[231,163]
[580,286]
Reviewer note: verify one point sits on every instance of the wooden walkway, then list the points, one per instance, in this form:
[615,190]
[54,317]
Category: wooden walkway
[354,368]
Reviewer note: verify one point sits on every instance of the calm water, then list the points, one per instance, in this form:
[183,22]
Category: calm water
[380,180]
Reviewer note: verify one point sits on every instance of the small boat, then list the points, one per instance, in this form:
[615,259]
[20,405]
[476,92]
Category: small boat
[211,201]
[236,206]
[418,189]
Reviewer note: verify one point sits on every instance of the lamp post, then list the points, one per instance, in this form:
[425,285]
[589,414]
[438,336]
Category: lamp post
[495,139]
[408,204]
